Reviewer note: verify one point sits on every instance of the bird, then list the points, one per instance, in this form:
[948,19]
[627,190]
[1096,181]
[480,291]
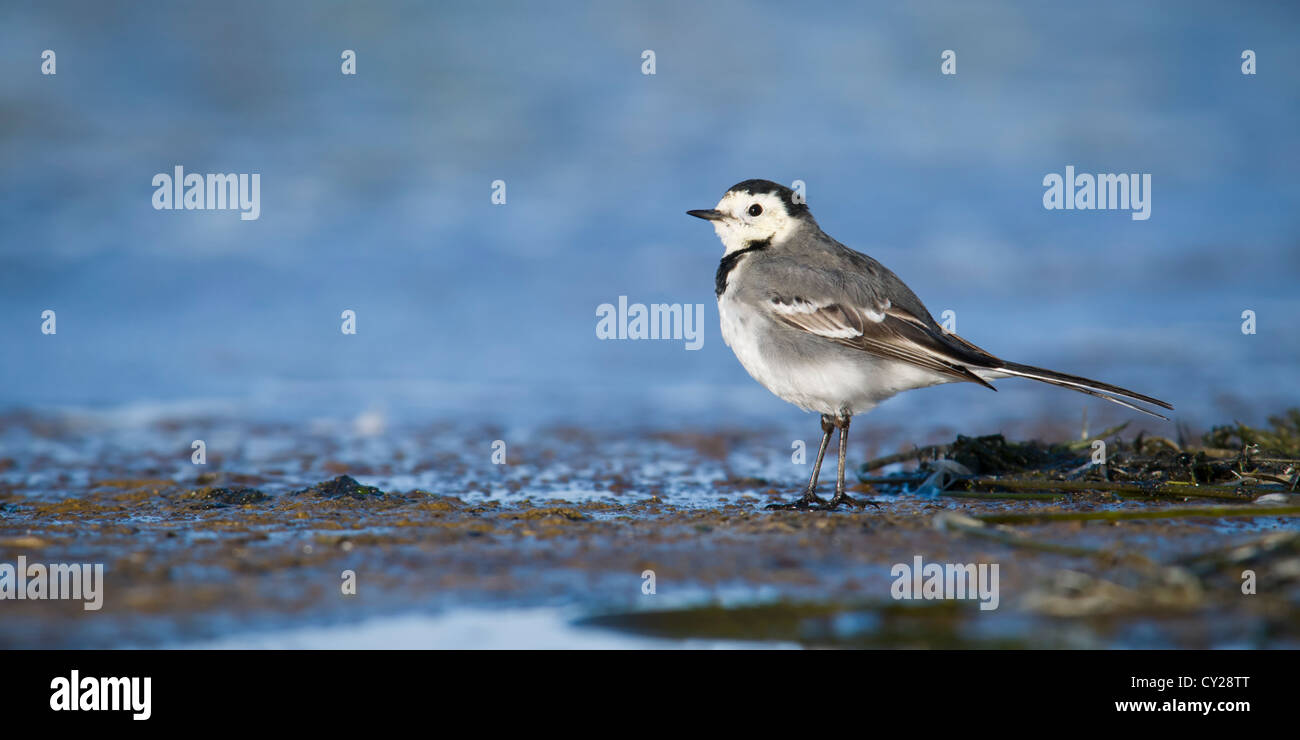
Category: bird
[833,331]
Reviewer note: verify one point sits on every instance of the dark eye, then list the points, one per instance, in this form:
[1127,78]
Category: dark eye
[755,209]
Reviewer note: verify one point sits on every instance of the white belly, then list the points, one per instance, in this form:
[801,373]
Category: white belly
[815,374]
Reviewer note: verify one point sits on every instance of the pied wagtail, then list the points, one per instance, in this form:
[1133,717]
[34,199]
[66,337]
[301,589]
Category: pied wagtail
[832,330]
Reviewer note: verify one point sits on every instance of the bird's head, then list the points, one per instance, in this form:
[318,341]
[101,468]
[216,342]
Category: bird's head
[756,211]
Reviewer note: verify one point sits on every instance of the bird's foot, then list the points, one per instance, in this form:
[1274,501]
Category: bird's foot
[807,501]
[843,498]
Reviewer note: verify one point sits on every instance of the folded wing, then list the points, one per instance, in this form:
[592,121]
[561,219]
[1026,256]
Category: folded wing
[857,315]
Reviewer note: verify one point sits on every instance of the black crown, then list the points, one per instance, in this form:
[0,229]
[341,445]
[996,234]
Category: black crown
[757,187]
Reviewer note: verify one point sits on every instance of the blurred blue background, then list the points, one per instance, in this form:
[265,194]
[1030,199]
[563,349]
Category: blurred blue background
[375,196]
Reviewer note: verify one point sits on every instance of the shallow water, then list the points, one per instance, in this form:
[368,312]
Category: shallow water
[550,548]
[538,628]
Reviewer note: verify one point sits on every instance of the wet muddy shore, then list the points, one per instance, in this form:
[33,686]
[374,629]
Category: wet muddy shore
[266,538]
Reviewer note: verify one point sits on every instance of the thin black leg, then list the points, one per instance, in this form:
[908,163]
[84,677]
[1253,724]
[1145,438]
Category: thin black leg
[840,496]
[810,499]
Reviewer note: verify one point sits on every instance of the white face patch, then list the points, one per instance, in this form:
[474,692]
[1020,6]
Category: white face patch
[738,227]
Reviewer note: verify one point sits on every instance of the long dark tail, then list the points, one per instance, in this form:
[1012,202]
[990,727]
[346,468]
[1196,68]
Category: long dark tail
[1084,385]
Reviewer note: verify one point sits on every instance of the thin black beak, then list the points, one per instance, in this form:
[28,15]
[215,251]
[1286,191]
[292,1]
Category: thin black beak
[708,215]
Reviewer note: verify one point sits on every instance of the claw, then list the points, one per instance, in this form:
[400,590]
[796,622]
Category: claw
[807,501]
[843,498]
